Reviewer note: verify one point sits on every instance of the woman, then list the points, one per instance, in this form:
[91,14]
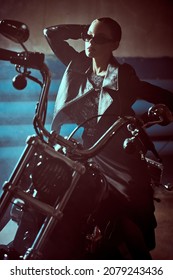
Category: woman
[94,83]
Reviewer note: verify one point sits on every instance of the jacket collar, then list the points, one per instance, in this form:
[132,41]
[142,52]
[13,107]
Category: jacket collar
[110,82]
[111,78]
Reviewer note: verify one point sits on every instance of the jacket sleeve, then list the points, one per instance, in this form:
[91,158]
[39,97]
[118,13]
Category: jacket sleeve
[149,92]
[57,37]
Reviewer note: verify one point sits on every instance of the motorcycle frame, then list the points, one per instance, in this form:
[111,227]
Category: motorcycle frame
[44,140]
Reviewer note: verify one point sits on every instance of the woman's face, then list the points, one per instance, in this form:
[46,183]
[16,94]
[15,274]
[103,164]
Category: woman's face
[99,41]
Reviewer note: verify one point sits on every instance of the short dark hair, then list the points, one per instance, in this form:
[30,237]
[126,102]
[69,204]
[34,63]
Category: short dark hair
[114,27]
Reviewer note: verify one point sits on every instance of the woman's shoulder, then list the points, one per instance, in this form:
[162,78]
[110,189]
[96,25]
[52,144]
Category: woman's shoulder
[123,66]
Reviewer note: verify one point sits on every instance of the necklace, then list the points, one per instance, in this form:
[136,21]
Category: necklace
[96,81]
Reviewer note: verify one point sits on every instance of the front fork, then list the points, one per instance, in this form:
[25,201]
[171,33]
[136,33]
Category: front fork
[13,189]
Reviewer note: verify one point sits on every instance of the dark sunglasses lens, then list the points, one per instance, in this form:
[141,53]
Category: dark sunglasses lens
[97,39]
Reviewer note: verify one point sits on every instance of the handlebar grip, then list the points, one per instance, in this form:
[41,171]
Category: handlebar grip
[33,60]
[29,59]
[7,54]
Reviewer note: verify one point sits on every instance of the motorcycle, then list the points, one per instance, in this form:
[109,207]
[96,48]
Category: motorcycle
[46,195]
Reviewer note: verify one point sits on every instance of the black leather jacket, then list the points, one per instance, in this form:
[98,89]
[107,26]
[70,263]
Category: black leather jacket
[120,82]
[127,173]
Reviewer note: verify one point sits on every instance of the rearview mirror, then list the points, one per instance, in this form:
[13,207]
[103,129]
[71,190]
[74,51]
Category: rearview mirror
[16,31]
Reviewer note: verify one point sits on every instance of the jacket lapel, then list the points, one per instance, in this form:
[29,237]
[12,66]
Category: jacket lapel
[111,79]
[110,82]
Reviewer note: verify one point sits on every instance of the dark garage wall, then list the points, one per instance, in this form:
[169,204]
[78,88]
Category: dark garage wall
[147,25]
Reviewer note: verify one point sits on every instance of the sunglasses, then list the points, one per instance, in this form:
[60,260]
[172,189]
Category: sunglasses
[98,39]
